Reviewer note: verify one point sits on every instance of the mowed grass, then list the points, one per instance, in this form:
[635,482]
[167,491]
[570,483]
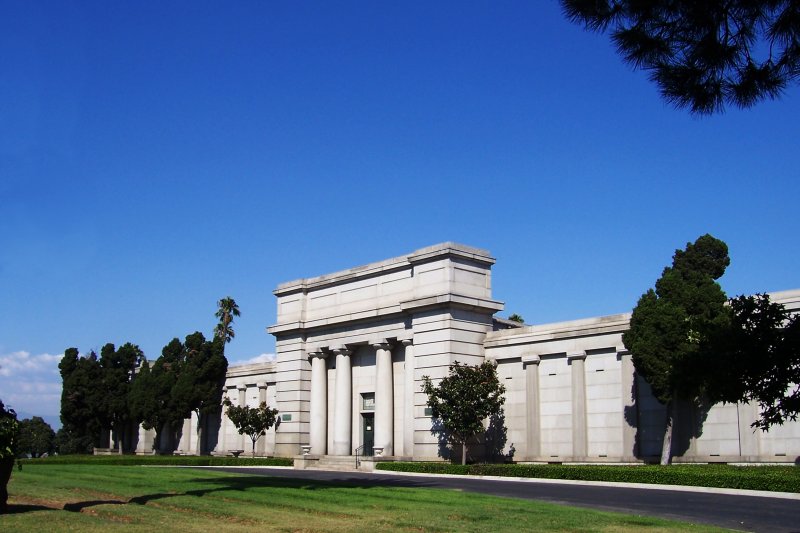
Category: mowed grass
[134,498]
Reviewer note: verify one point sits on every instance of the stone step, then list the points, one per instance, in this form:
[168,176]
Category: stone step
[338,463]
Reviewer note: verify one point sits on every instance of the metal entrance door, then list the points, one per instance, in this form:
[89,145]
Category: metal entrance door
[368,424]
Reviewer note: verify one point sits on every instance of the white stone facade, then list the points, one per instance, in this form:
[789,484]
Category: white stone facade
[352,348]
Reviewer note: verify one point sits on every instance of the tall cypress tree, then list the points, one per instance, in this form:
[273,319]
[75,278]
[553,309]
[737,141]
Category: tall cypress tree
[671,327]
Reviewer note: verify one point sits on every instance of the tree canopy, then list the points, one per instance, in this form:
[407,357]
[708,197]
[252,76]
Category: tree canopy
[188,376]
[463,399]
[703,55]
[9,433]
[227,309]
[118,368]
[671,327]
[761,351]
[253,422]
[152,403]
[81,400]
[36,437]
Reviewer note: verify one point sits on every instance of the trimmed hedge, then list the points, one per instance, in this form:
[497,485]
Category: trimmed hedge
[768,478]
[171,460]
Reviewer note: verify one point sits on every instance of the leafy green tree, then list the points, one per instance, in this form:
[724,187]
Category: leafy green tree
[118,368]
[251,422]
[672,326]
[153,400]
[81,398]
[463,399]
[703,55]
[9,443]
[761,351]
[199,386]
[36,437]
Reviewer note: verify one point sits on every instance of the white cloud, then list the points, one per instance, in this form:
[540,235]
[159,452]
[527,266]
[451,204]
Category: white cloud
[31,383]
[23,362]
[263,358]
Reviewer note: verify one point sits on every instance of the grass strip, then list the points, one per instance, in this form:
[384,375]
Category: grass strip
[101,497]
[766,478]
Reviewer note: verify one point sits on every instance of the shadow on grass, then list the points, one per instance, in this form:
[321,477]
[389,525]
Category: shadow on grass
[18,508]
[243,483]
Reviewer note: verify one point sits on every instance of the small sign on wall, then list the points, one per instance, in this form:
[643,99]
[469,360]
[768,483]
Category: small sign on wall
[287,417]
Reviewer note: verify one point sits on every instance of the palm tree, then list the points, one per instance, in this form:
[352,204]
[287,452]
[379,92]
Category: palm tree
[227,309]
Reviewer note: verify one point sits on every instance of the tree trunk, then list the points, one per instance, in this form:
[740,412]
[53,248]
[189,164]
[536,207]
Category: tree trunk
[666,448]
[464,452]
[254,446]
[6,466]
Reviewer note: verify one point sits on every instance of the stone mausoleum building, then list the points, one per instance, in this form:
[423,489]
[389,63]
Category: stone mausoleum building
[352,348]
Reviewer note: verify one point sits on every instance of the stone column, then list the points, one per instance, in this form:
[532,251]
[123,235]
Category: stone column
[408,398]
[318,439]
[261,445]
[532,416]
[242,402]
[384,398]
[630,419]
[342,403]
[579,444]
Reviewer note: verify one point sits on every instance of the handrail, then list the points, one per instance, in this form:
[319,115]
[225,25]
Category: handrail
[358,451]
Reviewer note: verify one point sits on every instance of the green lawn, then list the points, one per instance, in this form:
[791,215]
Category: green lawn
[51,497]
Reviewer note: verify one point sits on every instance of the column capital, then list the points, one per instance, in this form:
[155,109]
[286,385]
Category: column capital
[318,355]
[263,385]
[341,350]
[406,342]
[622,351]
[241,387]
[380,344]
[531,359]
[576,356]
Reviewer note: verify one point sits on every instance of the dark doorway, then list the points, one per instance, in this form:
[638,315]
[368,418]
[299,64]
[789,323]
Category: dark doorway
[368,421]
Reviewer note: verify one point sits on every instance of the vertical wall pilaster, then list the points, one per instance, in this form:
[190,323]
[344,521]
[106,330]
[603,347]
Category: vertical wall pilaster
[532,416]
[225,422]
[408,398]
[629,411]
[579,443]
[242,402]
[261,445]
[746,414]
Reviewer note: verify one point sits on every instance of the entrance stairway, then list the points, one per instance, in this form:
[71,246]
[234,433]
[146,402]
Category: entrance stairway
[339,463]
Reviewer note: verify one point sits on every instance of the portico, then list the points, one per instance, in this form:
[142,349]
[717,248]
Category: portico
[373,332]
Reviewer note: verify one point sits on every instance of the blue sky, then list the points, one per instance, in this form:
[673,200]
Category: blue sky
[155,158]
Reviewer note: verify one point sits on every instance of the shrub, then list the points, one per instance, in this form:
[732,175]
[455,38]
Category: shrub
[768,478]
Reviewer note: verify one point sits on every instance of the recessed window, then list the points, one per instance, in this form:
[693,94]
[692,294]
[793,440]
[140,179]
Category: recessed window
[368,401]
